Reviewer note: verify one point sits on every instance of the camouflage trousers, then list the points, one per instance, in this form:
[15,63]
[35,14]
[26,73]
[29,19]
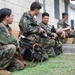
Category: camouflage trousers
[6,55]
[71,33]
[47,44]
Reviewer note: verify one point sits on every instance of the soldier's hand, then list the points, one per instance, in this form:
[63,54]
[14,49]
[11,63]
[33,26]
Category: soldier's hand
[21,37]
[41,30]
[55,35]
[68,28]
[71,30]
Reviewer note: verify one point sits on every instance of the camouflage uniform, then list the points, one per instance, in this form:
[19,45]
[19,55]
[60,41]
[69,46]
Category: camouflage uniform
[8,33]
[7,46]
[61,25]
[27,29]
[48,42]
[31,32]
[6,55]
[6,51]
[9,29]
[15,40]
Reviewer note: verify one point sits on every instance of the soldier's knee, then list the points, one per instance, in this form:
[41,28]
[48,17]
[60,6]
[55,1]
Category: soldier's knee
[13,48]
[18,65]
[63,34]
[52,42]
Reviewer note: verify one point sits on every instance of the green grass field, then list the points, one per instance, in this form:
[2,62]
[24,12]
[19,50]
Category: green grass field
[60,65]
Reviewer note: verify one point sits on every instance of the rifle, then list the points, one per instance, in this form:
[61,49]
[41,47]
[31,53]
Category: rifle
[53,29]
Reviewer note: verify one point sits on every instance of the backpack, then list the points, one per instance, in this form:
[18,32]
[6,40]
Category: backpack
[34,51]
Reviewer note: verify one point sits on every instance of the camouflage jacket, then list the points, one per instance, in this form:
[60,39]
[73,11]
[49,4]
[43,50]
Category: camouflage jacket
[9,29]
[61,24]
[5,35]
[26,26]
[46,27]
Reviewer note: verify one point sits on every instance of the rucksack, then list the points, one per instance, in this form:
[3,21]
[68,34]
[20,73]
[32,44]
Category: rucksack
[34,51]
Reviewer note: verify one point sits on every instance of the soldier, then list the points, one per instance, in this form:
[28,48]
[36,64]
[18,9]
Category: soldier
[44,24]
[28,25]
[63,29]
[49,42]
[25,22]
[8,43]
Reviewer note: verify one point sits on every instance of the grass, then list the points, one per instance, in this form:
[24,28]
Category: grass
[60,65]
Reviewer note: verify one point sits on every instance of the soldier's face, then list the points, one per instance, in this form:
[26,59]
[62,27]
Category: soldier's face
[37,11]
[45,19]
[66,17]
[10,19]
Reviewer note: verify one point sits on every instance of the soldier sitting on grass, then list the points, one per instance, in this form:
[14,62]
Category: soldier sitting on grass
[29,28]
[51,40]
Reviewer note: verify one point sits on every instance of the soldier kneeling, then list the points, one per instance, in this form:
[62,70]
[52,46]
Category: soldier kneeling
[8,43]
